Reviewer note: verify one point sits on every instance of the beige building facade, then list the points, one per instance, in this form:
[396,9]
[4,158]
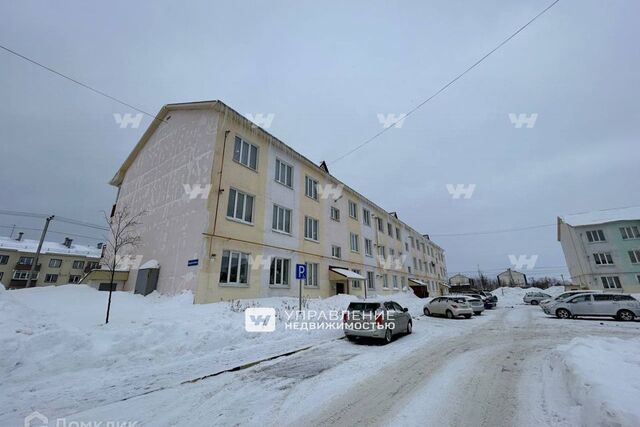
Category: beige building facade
[230,211]
[58,263]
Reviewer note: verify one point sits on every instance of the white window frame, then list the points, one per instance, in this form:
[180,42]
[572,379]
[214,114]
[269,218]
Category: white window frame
[630,232]
[380,224]
[310,188]
[395,281]
[334,213]
[603,258]
[242,258]
[634,256]
[336,251]
[353,209]
[596,236]
[311,227]
[284,173]
[611,282]
[285,272]
[284,214]
[366,217]
[354,242]
[75,278]
[53,264]
[4,259]
[355,284]
[385,281]
[239,150]
[311,280]
[77,264]
[245,198]
[24,275]
[371,280]
[368,247]
[390,229]
[25,260]
[49,276]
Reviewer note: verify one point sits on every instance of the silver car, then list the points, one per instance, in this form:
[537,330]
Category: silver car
[376,319]
[476,304]
[450,306]
[619,306]
[535,298]
[558,298]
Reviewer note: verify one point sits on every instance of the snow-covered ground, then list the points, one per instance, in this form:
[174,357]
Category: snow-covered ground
[58,358]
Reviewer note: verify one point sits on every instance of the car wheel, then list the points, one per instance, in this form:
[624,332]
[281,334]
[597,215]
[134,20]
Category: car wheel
[467,316]
[388,336]
[449,314]
[477,313]
[409,327]
[426,312]
[351,338]
[534,302]
[563,313]
[625,315]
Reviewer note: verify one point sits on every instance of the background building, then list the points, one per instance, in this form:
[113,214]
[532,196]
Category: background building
[512,278]
[230,210]
[602,249]
[59,263]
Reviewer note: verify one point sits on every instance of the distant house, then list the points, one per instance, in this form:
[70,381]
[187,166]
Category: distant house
[58,263]
[512,278]
[460,280]
[602,249]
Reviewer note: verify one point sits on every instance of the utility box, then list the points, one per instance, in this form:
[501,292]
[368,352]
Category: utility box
[147,279]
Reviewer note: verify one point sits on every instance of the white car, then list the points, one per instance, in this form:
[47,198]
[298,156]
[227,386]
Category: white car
[476,304]
[555,300]
[450,306]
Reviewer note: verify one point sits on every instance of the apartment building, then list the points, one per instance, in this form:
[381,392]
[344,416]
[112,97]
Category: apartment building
[58,263]
[230,210]
[511,277]
[602,249]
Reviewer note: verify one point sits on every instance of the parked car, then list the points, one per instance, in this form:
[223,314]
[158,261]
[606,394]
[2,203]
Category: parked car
[555,300]
[488,302]
[476,304]
[618,306]
[376,319]
[535,298]
[450,306]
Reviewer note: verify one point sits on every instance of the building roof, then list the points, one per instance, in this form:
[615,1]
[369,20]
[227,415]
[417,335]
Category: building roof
[602,217]
[221,107]
[511,272]
[31,246]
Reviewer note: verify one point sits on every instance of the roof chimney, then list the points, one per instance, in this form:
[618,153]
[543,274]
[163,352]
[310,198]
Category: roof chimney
[67,242]
[20,234]
[99,245]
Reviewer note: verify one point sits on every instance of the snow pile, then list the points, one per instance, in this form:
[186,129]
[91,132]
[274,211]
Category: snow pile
[512,296]
[603,377]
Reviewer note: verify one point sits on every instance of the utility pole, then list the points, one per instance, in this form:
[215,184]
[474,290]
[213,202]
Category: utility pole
[35,261]
[13,228]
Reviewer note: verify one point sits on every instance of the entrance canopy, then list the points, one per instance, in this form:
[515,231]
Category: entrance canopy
[346,273]
[417,282]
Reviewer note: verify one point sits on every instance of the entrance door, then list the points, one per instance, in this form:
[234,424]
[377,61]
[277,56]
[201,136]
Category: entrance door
[339,288]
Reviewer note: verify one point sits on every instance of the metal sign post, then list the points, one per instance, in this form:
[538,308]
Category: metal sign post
[301,273]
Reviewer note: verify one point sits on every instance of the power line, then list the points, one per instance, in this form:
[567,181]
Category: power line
[506,230]
[443,88]
[57,218]
[18,228]
[84,85]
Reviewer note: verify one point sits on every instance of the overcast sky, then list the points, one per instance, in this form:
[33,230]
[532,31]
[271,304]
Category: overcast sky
[325,70]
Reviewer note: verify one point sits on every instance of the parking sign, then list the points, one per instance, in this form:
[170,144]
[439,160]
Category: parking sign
[301,271]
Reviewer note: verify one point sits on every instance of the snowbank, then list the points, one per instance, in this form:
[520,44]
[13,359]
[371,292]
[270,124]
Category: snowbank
[603,377]
[512,296]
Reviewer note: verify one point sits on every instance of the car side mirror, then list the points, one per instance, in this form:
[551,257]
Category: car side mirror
[405,309]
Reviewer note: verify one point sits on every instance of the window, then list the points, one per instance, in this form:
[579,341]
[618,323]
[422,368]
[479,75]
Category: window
[78,264]
[240,206]
[413,245]
[380,224]
[611,282]
[353,209]
[74,278]
[385,281]
[284,173]
[355,283]
[312,275]
[4,259]
[603,297]
[55,263]
[279,272]
[398,233]
[336,251]
[392,252]
[371,280]
[634,256]
[630,232]
[415,263]
[581,298]
[2,274]
[368,247]
[24,274]
[366,217]
[245,153]
[402,283]
[25,260]
[637,277]
[311,188]
[335,214]
[390,229]
[603,259]
[381,251]
[93,265]
[311,228]
[50,278]
[234,269]
[395,282]
[281,219]
[355,242]
[406,246]
[595,236]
